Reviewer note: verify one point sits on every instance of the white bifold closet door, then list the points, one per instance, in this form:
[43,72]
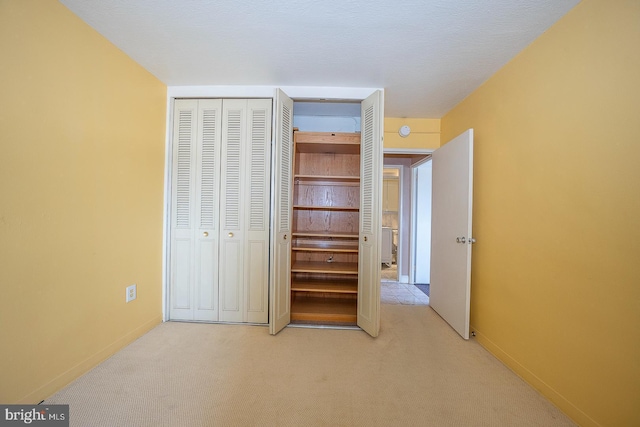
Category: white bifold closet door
[244,210]
[220,210]
[283,194]
[369,247]
[194,209]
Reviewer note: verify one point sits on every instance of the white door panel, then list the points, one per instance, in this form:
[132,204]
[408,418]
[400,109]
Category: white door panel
[207,208]
[193,282]
[206,279]
[234,141]
[280,299]
[183,189]
[230,271]
[450,290]
[257,172]
[257,254]
[369,250]
[181,278]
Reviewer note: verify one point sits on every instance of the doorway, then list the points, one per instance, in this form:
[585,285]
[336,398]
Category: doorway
[397,214]
[390,222]
[405,160]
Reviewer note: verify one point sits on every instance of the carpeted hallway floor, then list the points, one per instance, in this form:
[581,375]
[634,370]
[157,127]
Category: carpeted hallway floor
[418,372]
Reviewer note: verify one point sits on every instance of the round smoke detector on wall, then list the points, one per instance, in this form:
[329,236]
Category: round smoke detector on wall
[404,131]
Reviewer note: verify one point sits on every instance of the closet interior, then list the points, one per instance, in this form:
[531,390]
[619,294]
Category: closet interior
[326,205]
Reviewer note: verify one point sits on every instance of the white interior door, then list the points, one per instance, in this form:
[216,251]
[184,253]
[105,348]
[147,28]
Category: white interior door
[280,299]
[450,289]
[369,248]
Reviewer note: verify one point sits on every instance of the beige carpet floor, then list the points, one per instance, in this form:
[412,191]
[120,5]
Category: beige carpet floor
[418,372]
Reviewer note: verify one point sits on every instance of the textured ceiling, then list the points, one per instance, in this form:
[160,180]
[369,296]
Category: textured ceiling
[428,55]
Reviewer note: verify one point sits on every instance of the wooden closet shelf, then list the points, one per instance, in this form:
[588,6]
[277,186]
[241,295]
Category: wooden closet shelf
[327,208]
[326,234]
[323,247]
[327,142]
[339,287]
[325,267]
[338,310]
[328,138]
[328,147]
[337,178]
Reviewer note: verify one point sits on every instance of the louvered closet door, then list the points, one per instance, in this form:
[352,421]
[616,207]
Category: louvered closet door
[207,209]
[194,222]
[283,163]
[257,203]
[231,210]
[244,209]
[369,248]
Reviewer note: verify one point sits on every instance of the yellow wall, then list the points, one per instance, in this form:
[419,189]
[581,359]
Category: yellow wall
[556,270]
[425,133]
[81,198]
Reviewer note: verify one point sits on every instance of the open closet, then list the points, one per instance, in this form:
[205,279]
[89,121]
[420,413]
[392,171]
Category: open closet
[268,225]
[326,208]
[328,222]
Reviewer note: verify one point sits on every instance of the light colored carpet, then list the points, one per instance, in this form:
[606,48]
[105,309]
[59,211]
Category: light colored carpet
[418,372]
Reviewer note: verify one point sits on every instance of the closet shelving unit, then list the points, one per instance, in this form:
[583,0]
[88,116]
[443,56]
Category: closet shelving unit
[326,206]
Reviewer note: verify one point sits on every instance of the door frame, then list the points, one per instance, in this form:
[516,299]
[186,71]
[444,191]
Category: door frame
[408,152]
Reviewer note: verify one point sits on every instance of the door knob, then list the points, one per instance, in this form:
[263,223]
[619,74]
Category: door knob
[230,234]
[461,240]
[471,240]
[285,237]
[205,234]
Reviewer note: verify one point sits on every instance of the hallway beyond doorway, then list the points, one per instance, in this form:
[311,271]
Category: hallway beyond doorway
[402,293]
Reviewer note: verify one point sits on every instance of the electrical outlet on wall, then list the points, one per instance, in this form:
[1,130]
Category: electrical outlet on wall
[131,292]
